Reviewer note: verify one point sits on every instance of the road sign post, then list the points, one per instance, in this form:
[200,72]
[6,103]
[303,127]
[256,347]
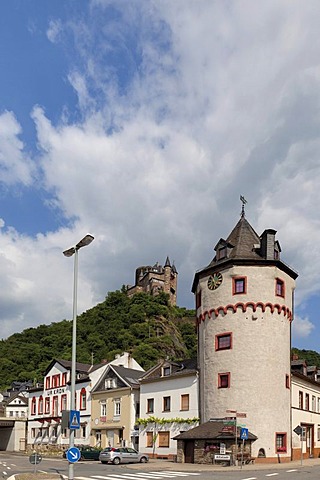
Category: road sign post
[74,420]
[73,455]
[299,431]
[237,415]
[35,459]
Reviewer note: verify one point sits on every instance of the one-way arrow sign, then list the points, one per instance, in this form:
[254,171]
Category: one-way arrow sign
[298,430]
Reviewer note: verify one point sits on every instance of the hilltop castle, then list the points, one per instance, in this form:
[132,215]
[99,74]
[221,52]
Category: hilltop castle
[155,279]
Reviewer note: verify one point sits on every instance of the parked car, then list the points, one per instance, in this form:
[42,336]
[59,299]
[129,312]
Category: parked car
[122,455]
[87,453]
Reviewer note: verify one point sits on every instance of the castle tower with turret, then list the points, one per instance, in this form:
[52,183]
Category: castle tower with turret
[244,306]
[155,279]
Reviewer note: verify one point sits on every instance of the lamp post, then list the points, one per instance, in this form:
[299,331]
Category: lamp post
[69,253]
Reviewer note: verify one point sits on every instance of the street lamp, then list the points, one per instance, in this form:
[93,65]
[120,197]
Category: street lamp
[68,253]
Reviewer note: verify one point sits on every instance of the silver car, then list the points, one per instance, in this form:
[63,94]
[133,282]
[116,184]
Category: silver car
[122,455]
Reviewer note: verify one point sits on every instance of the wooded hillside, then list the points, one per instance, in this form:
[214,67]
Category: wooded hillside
[147,327]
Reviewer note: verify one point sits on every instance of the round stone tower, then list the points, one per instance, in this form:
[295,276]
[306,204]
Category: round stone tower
[244,304]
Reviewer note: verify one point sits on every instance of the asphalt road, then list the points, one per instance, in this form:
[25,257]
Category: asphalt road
[11,464]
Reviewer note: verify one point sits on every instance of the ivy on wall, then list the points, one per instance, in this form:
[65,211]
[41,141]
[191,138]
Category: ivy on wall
[162,421]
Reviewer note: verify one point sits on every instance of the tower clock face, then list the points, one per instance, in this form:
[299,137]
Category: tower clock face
[214,281]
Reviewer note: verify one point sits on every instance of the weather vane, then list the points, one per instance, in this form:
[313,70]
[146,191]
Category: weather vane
[244,201]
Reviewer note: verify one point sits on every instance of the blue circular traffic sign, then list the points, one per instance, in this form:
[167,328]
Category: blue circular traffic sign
[73,454]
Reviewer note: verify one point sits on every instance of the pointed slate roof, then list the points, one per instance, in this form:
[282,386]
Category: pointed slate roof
[128,376]
[244,247]
[243,238]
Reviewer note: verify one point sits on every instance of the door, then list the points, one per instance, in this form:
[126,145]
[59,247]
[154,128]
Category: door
[110,434]
[189,451]
[133,455]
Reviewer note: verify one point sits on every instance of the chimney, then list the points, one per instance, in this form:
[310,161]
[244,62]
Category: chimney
[267,244]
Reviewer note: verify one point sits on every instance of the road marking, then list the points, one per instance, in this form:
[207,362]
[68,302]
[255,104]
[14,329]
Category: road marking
[141,475]
[289,471]
[154,475]
[183,473]
[272,474]
[250,478]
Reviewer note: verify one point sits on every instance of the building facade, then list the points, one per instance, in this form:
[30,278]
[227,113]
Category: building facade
[155,279]
[168,406]
[305,392]
[48,402]
[116,407]
[244,305]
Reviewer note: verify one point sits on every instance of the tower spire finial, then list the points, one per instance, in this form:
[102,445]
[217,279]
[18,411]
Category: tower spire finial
[244,201]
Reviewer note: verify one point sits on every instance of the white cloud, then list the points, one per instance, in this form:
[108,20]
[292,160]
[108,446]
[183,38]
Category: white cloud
[182,107]
[54,30]
[15,165]
[302,327]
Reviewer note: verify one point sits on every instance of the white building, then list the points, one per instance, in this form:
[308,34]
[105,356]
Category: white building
[17,406]
[46,403]
[244,302]
[305,392]
[168,406]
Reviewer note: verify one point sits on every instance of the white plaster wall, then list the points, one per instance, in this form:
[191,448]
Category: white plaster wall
[173,387]
[311,417]
[259,359]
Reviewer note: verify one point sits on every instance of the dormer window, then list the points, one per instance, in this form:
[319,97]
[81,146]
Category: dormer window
[222,252]
[166,371]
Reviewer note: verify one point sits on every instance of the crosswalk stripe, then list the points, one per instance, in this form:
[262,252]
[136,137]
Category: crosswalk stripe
[137,476]
[166,474]
[152,475]
[141,475]
[124,476]
[184,473]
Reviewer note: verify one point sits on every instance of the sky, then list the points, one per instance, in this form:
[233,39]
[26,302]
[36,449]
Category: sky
[142,122]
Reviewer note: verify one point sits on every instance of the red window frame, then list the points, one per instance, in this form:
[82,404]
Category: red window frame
[224,380]
[83,399]
[287,381]
[63,402]
[55,406]
[40,405]
[301,400]
[64,379]
[55,381]
[47,383]
[219,341]
[33,406]
[281,442]
[307,407]
[280,288]
[47,405]
[235,282]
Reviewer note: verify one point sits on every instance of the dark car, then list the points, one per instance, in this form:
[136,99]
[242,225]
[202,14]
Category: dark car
[87,453]
[122,455]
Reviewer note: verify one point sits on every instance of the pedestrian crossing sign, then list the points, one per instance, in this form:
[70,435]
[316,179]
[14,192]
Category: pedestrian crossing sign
[74,420]
[244,434]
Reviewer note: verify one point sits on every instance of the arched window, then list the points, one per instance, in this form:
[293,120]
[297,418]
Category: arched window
[33,406]
[40,405]
[83,399]
[262,453]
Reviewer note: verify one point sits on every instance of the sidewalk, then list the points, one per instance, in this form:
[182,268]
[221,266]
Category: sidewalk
[155,464]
